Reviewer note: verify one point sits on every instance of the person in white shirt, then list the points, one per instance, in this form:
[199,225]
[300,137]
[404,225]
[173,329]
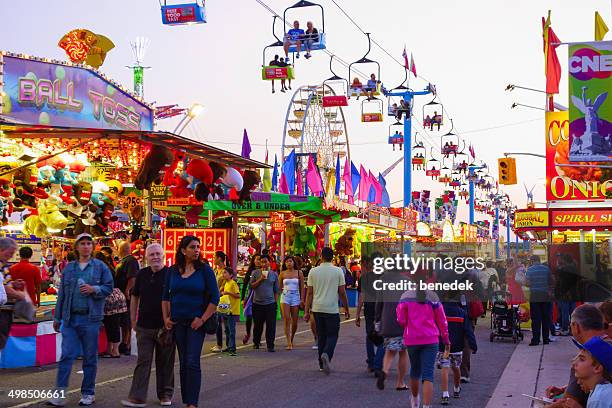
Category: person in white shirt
[326,286]
[8,247]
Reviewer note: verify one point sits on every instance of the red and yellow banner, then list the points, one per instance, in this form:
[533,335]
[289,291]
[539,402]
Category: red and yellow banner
[531,219]
[583,218]
[211,240]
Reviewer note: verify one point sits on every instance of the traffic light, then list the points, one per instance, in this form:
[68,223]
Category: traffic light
[507,170]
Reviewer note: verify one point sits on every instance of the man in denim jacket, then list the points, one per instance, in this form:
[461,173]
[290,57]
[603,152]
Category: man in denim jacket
[79,311]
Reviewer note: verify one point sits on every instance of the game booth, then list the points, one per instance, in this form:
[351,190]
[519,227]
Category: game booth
[78,153]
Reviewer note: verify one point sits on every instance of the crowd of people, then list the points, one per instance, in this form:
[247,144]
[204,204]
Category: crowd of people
[173,308]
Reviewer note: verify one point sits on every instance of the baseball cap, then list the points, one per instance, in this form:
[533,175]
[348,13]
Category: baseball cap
[83,236]
[599,349]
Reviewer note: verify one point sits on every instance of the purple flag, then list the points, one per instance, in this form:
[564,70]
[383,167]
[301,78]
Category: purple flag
[246,146]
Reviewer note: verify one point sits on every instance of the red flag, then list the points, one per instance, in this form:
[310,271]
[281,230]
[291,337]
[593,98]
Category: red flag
[405,55]
[472,153]
[412,66]
[553,67]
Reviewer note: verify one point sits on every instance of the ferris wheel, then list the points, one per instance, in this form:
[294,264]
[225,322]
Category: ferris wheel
[311,129]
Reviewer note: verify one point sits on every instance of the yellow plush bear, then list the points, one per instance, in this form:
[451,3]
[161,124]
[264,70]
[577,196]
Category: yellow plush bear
[50,215]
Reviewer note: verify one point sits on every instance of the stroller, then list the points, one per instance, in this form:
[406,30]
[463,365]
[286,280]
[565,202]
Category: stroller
[505,321]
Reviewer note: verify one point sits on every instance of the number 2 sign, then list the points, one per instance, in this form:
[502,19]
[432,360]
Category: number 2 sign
[211,240]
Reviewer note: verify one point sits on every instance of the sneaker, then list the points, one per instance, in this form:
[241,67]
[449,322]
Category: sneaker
[545,342]
[307,55]
[225,350]
[128,403]
[87,400]
[552,339]
[325,363]
[415,402]
[215,349]
[256,346]
[456,392]
[465,380]
[232,353]
[57,402]
[165,402]
[315,347]
[297,56]
[444,400]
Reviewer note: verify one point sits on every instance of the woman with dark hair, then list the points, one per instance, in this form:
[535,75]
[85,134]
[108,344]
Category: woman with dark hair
[190,298]
[247,301]
[115,306]
[291,285]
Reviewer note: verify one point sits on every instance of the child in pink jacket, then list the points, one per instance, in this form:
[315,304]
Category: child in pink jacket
[424,322]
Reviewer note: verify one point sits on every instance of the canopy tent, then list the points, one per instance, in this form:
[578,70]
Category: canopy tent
[115,140]
[306,209]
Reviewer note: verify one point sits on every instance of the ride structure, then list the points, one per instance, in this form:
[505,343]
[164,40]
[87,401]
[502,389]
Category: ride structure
[408,96]
[312,129]
[340,99]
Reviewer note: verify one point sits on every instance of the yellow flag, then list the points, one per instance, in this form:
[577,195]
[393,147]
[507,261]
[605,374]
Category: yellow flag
[545,25]
[600,27]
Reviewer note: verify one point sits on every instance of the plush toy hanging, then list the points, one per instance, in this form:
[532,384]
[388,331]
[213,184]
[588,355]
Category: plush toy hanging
[344,246]
[153,167]
[251,181]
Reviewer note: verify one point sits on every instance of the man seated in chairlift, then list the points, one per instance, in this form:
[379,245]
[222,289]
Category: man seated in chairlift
[371,86]
[427,121]
[393,109]
[274,63]
[436,120]
[294,37]
[310,37]
[403,109]
[284,62]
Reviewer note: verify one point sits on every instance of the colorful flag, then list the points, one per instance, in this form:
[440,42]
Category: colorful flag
[412,66]
[375,192]
[600,27]
[337,189]
[275,175]
[385,200]
[298,181]
[355,178]
[267,179]
[289,172]
[405,55]
[364,184]
[283,188]
[313,178]
[348,182]
[246,145]
[553,67]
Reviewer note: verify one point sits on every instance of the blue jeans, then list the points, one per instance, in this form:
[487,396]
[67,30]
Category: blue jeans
[328,327]
[189,343]
[219,330]
[375,358]
[79,334]
[565,310]
[422,361]
[230,332]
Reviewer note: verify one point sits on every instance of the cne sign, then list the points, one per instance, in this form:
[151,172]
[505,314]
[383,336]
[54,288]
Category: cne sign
[526,219]
[278,222]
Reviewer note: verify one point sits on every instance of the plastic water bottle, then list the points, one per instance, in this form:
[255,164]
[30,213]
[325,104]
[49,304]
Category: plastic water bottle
[81,282]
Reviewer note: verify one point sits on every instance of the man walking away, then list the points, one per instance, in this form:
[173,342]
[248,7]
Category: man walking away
[325,285]
[538,280]
[146,299]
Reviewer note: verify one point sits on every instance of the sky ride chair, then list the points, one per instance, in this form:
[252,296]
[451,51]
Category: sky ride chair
[433,114]
[315,46]
[272,72]
[184,13]
[335,99]
[396,136]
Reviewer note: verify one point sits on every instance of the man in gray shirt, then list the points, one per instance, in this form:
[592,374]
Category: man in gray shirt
[264,284]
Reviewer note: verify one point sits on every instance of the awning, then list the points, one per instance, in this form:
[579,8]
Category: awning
[305,209]
[114,138]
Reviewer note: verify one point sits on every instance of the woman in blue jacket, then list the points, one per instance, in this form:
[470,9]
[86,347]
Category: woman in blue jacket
[190,298]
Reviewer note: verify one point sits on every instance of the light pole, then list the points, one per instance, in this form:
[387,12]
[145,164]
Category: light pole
[195,110]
